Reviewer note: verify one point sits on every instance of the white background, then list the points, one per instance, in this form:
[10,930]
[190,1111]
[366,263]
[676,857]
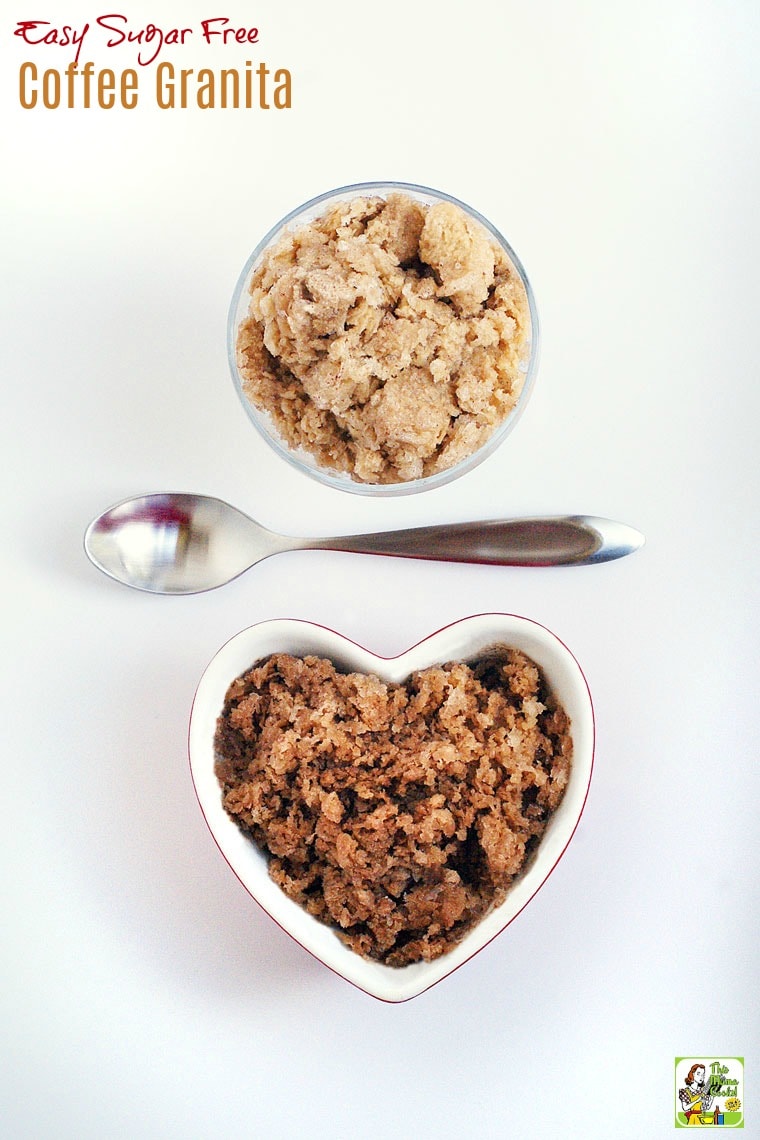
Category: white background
[616,147]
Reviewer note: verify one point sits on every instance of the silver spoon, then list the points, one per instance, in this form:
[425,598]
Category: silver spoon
[185,544]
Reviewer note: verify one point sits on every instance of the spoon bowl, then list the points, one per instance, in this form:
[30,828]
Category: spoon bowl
[175,543]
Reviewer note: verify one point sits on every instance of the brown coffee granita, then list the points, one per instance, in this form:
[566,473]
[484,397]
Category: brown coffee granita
[386,338]
[400,814]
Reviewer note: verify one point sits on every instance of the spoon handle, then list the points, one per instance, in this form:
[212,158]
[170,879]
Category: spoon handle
[570,540]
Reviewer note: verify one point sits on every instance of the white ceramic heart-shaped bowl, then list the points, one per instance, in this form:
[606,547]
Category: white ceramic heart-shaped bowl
[465,640]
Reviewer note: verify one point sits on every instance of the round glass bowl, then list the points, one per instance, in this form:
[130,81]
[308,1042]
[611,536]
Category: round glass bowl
[262,421]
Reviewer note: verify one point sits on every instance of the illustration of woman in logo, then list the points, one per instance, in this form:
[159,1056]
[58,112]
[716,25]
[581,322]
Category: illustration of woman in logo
[696,1097]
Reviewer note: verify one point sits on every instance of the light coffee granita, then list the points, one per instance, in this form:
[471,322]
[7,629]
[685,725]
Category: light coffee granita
[399,814]
[387,338]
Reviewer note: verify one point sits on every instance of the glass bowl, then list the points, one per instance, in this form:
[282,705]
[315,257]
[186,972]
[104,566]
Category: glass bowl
[263,422]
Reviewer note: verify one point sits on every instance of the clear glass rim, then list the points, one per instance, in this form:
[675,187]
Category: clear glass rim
[301,460]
